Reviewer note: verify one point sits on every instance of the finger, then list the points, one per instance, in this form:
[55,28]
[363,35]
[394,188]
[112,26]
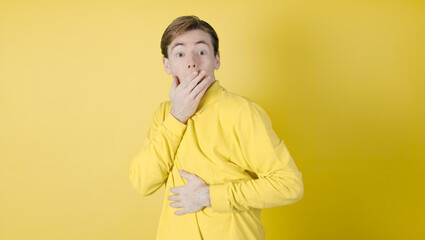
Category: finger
[198,86]
[192,84]
[176,204]
[188,79]
[174,197]
[175,190]
[181,212]
[199,91]
[187,175]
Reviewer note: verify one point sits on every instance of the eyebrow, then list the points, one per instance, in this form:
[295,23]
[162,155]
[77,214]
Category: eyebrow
[177,44]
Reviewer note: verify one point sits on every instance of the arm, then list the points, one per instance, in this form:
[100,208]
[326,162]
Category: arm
[149,169]
[258,149]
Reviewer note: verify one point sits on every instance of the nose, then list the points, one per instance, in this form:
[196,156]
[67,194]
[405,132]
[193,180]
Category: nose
[192,63]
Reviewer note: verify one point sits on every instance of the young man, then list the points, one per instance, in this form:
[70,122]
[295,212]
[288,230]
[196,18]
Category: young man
[216,151]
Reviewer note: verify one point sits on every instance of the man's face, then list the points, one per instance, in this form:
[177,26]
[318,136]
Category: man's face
[191,51]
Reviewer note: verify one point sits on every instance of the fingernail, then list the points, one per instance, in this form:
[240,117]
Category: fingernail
[203,72]
[194,73]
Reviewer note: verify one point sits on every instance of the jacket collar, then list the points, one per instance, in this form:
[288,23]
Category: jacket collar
[210,96]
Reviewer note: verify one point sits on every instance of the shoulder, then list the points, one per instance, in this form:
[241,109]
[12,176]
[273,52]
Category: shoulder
[235,102]
[242,105]
[243,109]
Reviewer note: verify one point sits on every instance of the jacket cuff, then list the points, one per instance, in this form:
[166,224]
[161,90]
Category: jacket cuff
[218,198]
[173,125]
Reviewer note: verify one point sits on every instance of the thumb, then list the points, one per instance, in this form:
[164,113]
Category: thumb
[186,175]
[176,82]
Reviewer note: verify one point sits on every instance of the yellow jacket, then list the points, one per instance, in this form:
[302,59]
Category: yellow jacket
[229,143]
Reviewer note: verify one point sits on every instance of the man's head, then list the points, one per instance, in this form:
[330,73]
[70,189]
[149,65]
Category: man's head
[190,44]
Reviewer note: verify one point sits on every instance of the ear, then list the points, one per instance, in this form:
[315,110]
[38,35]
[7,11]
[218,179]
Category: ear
[166,65]
[217,60]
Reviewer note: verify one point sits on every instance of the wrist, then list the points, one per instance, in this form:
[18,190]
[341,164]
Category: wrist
[178,118]
[207,200]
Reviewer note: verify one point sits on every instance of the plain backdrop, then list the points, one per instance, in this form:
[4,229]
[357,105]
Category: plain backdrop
[342,81]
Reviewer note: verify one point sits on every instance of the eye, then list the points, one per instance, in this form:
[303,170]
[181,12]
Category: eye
[179,54]
[203,52]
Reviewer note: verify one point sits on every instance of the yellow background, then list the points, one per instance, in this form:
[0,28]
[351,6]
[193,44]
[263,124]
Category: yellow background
[342,81]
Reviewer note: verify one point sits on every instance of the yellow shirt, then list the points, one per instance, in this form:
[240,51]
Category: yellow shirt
[229,143]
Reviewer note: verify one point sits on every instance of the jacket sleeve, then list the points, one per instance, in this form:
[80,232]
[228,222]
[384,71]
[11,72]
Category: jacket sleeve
[258,149]
[149,169]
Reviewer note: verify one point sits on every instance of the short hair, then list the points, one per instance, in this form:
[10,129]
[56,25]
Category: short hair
[183,24]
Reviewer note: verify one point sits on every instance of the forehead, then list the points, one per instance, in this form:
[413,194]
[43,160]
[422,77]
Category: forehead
[191,37]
